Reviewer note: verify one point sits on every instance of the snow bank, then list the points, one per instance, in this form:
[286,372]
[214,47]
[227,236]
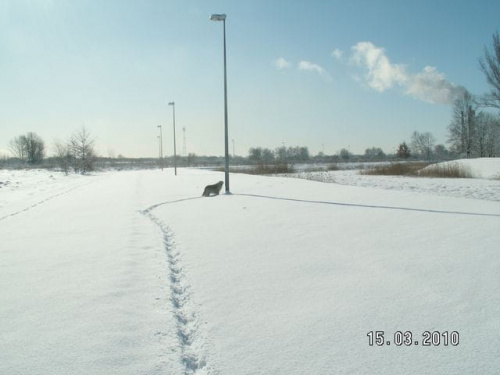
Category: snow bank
[488,168]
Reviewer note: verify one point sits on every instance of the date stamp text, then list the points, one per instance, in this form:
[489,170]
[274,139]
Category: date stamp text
[408,338]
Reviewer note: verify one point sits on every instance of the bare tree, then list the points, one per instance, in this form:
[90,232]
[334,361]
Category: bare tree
[440,152]
[488,134]
[281,154]
[345,154]
[64,157]
[255,154]
[490,66]
[35,148]
[17,147]
[462,129]
[374,153]
[423,144]
[82,146]
[29,148]
[267,156]
[261,155]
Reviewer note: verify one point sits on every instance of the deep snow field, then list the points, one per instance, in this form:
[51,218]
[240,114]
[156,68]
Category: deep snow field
[135,273]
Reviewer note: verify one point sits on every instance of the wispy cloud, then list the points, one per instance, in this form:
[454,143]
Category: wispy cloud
[304,65]
[337,54]
[311,67]
[430,85]
[281,64]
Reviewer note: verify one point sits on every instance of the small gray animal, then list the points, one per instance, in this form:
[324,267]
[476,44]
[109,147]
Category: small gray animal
[212,189]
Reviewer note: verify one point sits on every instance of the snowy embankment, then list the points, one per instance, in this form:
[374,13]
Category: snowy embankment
[485,184]
[135,273]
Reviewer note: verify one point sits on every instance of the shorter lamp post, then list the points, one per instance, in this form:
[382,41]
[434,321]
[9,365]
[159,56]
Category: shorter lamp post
[175,150]
[161,148]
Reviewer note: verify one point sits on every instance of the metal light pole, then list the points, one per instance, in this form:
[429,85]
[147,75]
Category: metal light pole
[222,17]
[161,148]
[175,152]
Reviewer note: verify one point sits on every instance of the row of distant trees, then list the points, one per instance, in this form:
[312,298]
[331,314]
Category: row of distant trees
[77,153]
[259,155]
[422,146]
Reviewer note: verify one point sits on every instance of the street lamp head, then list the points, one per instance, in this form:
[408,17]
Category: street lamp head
[171,103]
[218,17]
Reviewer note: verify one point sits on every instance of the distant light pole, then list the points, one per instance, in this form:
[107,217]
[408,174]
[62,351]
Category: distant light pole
[233,148]
[175,150]
[222,17]
[161,147]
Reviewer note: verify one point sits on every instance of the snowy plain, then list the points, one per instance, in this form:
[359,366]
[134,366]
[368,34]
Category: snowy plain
[135,273]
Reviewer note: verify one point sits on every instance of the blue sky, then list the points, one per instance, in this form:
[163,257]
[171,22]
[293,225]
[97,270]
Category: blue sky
[321,74]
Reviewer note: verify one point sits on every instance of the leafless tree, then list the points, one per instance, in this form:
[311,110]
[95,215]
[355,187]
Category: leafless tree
[261,155]
[488,134]
[281,154]
[345,154]
[82,146]
[423,144]
[35,148]
[64,156]
[374,153]
[490,66]
[17,147]
[462,129]
[29,148]
[440,152]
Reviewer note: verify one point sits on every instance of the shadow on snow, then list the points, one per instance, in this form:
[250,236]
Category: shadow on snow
[355,205]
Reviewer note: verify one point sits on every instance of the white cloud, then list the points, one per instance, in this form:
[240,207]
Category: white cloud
[429,85]
[381,74]
[281,64]
[337,54]
[311,67]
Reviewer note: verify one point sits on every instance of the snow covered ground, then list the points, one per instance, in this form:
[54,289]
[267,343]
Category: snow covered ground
[485,185]
[135,273]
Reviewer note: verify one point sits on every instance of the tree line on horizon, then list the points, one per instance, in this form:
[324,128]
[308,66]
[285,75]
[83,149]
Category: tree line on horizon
[77,153]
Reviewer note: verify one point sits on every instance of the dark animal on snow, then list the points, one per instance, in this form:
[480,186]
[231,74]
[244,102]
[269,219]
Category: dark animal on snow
[212,189]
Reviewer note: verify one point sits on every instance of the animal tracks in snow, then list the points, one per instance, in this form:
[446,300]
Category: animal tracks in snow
[31,206]
[191,340]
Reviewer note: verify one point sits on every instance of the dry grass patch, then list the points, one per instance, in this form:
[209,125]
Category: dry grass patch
[260,169]
[447,170]
[395,169]
[420,169]
[270,169]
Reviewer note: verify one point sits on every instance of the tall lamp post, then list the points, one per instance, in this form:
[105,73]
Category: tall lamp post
[161,148]
[175,152]
[222,17]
